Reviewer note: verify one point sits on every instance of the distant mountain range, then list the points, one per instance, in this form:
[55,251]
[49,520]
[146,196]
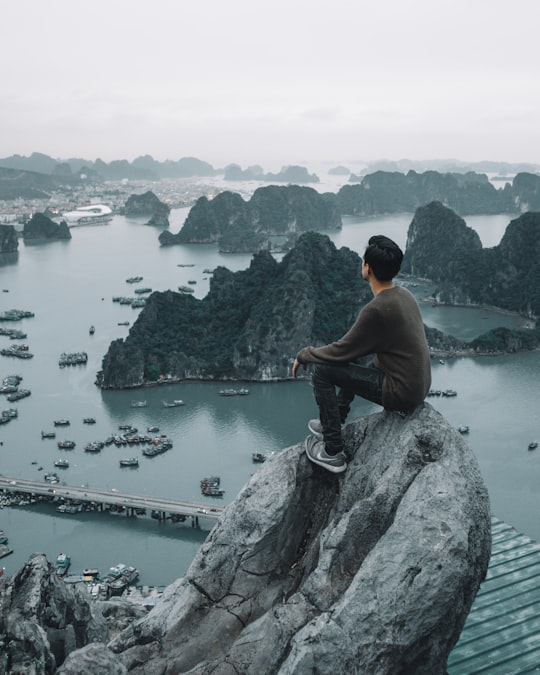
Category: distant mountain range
[146,167]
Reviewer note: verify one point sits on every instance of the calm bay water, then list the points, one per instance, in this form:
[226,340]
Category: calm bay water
[70,285]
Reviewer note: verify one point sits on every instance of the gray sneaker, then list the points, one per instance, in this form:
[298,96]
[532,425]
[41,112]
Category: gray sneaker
[315,428]
[317,454]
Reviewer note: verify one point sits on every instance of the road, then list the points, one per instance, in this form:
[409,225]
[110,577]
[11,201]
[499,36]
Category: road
[113,497]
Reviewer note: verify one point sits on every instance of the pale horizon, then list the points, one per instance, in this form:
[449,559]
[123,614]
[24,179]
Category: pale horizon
[296,82]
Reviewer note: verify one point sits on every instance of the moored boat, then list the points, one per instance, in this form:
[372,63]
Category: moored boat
[138,404]
[51,477]
[18,395]
[48,434]
[533,445]
[62,463]
[66,445]
[61,423]
[173,404]
[131,461]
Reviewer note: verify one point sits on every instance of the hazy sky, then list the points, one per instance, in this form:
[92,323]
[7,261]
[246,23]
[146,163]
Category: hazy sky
[280,81]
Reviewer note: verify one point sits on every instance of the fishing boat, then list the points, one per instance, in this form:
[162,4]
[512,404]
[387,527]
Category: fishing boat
[533,445]
[61,423]
[89,420]
[138,404]
[258,457]
[17,395]
[51,477]
[92,330]
[463,429]
[62,463]
[66,445]
[173,404]
[211,491]
[132,461]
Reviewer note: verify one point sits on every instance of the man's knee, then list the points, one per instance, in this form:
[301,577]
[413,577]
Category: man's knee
[322,374]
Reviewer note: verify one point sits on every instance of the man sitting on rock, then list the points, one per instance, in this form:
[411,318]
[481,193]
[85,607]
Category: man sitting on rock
[384,357]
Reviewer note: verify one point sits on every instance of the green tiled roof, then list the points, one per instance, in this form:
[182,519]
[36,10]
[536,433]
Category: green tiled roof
[502,633]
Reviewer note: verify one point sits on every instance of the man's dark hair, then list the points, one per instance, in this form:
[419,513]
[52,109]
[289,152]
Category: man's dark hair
[383,256]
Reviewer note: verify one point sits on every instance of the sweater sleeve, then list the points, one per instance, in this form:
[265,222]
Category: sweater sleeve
[361,339]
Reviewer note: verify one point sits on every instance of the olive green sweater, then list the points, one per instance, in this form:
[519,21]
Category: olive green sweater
[391,328]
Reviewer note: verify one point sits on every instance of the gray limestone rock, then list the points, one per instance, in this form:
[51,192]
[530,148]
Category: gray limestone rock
[9,242]
[372,571]
[40,227]
[94,659]
[42,619]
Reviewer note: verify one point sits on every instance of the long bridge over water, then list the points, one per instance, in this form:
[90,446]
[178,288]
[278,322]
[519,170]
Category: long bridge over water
[160,508]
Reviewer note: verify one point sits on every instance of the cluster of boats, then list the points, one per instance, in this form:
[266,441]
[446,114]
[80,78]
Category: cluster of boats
[234,392]
[73,359]
[15,315]
[125,300]
[210,487]
[13,333]
[157,444]
[167,404]
[18,351]
[442,392]
[8,415]
[18,395]
[10,384]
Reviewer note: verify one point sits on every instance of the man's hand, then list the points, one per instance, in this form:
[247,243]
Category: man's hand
[295,367]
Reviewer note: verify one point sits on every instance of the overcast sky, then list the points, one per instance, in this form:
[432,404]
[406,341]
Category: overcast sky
[280,81]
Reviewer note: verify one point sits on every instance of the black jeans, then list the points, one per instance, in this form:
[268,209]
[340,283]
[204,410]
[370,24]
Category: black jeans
[361,378]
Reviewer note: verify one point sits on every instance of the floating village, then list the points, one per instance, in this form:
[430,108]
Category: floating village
[54,490]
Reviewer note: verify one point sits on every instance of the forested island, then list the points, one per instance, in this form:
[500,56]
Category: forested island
[272,219]
[275,216]
[252,322]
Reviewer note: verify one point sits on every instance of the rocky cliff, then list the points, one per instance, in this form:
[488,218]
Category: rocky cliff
[9,242]
[41,227]
[373,571]
[148,204]
[273,218]
[288,174]
[249,326]
[394,192]
[441,247]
